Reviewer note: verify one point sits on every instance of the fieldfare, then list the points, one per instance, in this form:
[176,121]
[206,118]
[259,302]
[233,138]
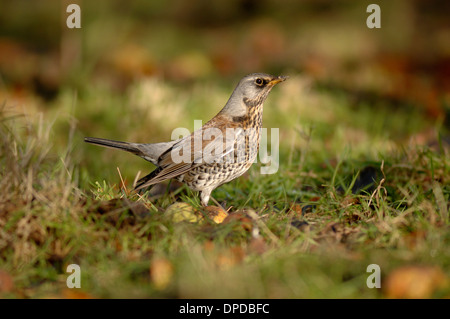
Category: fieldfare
[222,150]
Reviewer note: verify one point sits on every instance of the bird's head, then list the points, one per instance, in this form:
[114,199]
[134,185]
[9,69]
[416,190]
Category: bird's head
[251,91]
[256,86]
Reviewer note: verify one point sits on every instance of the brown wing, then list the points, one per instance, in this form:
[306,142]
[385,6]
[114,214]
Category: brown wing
[183,156]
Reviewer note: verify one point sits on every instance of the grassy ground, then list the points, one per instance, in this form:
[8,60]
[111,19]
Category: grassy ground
[364,166]
[357,185]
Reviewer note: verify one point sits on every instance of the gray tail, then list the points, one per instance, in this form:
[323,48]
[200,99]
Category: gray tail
[129,147]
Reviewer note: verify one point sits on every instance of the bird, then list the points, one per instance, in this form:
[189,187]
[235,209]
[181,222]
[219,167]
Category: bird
[200,161]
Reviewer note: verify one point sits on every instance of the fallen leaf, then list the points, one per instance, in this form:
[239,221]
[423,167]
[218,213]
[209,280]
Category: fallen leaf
[230,257]
[75,293]
[241,219]
[6,282]
[182,212]
[414,282]
[215,213]
[161,272]
[297,209]
[258,246]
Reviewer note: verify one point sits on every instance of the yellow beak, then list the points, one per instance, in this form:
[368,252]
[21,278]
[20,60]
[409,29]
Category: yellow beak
[278,79]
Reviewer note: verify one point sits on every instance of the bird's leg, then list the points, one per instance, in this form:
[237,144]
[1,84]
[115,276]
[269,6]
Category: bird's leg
[204,197]
[217,203]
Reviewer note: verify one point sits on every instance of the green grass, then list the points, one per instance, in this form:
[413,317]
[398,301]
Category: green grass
[316,224]
[364,150]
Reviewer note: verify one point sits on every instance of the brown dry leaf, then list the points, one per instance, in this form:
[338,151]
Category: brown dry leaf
[257,246]
[117,245]
[230,257]
[240,218]
[6,282]
[75,293]
[296,209]
[217,214]
[161,272]
[414,282]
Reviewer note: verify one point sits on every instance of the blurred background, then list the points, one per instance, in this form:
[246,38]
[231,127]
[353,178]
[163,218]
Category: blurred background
[138,69]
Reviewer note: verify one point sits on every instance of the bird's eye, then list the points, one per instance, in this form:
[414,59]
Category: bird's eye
[259,81]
